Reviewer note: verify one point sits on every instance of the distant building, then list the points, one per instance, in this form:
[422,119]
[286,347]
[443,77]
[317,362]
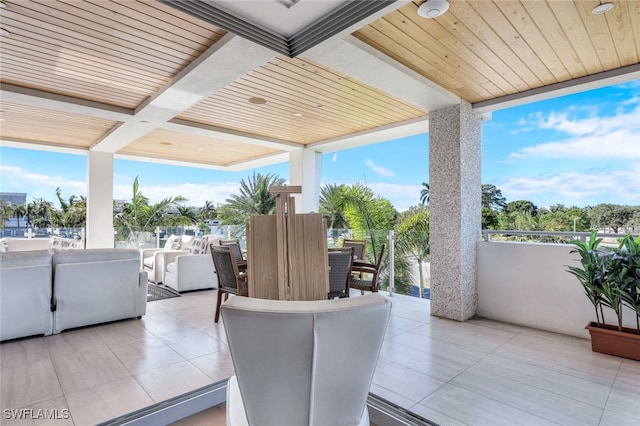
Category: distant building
[14,198]
[11,228]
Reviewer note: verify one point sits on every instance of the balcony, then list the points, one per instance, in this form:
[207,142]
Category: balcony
[498,368]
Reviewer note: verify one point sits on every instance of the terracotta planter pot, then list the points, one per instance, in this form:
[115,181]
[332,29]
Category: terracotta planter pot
[609,340]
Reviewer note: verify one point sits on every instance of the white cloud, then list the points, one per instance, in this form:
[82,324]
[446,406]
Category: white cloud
[335,158]
[401,196]
[574,188]
[382,171]
[196,194]
[38,185]
[591,137]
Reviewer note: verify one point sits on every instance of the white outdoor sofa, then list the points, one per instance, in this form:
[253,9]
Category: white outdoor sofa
[153,260]
[44,293]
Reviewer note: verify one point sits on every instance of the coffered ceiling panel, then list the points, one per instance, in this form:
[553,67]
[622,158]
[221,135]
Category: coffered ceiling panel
[38,125]
[481,50]
[115,52]
[305,102]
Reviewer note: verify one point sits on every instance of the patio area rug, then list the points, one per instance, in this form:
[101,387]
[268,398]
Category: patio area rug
[156,292]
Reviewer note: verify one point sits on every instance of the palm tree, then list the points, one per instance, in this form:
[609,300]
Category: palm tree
[424,194]
[208,211]
[19,212]
[332,207]
[254,197]
[139,217]
[39,213]
[6,212]
[412,238]
[73,212]
[186,215]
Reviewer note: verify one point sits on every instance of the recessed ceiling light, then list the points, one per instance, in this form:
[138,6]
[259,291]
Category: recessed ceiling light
[257,101]
[297,114]
[2,5]
[166,143]
[602,8]
[433,8]
[4,33]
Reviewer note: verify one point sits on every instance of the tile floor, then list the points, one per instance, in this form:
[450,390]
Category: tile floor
[474,373]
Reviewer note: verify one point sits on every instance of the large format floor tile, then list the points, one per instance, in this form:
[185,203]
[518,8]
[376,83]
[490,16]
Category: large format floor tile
[474,373]
[28,384]
[107,401]
[83,370]
[173,380]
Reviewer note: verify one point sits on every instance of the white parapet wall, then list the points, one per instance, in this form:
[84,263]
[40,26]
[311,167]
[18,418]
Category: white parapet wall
[528,284]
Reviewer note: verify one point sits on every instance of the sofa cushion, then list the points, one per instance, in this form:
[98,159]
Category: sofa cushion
[94,255]
[58,243]
[27,244]
[185,242]
[198,246]
[173,242]
[25,258]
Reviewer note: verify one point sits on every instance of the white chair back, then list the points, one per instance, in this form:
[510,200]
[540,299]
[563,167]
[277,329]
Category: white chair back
[304,363]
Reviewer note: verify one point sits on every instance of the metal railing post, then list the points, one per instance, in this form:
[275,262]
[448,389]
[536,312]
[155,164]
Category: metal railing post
[157,237]
[392,239]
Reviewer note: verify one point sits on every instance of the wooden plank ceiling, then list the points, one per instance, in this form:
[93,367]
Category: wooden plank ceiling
[122,53]
[305,103]
[481,50]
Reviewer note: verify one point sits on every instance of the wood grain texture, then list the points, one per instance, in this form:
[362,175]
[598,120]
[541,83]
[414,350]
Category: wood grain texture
[482,49]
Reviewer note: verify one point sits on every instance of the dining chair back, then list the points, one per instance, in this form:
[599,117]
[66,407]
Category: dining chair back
[359,247]
[230,279]
[340,263]
[235,249]
[365,276]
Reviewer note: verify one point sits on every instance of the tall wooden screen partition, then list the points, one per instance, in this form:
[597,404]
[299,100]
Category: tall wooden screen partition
[287,252]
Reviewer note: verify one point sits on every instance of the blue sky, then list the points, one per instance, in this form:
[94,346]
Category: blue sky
[582,149]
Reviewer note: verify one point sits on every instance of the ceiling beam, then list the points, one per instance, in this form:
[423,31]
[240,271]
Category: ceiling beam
[227,60]
[61,103]
[201,129]
[356,59]
[576,85]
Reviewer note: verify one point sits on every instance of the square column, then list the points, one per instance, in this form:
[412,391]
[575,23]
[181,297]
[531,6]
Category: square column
[455,145]
[305,169]
[100,200]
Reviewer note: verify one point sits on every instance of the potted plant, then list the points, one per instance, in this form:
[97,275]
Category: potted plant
[611,279]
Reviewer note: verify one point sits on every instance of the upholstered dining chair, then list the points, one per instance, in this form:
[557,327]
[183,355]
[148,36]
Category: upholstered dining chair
[365,275]
[303,362]
[340,263]
[359,247]
[230,279]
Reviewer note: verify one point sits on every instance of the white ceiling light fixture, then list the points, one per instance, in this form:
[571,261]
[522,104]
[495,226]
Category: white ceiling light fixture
[433,8]
[602,8]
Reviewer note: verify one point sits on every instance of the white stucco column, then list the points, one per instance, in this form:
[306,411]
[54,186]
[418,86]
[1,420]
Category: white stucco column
[100,200]
[455,143]
[305,169]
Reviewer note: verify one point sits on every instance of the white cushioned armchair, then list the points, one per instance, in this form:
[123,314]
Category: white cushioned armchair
[153,260]
[193,270]
[303,363]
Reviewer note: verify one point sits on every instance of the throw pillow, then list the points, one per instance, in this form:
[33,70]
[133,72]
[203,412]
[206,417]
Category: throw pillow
[173,242]
[198,246]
